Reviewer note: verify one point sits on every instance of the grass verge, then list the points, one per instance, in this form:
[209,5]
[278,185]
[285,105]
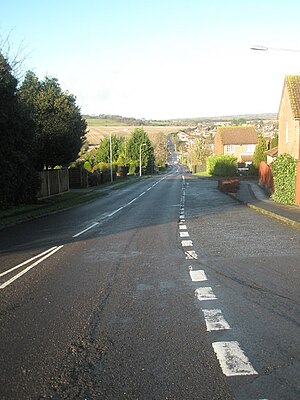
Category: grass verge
[47,206]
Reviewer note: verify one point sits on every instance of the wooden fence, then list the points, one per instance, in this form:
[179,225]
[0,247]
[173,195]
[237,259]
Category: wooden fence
[53,182]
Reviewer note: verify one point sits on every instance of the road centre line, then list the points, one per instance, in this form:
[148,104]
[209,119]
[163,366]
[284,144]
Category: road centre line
[186,243]
[232,359]
[191,255]
[198,275]
[182,227]
[11,280]
[85,230]
[27,261]
[184,234]
[215,321]
[120,208]
[205,293]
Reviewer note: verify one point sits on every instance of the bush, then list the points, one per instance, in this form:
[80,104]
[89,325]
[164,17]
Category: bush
[284,175]
[223,165]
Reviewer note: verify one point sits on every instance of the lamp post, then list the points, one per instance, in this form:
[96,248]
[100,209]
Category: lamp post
[264,48]
[141,145]
[110,158]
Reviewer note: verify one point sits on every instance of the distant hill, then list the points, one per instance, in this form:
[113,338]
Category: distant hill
[117,120]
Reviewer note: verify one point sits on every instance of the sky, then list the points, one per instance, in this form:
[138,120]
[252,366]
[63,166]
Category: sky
[159,59]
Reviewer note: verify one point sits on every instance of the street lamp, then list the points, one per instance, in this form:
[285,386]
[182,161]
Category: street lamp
[264,48]
[110,158]
[141,145]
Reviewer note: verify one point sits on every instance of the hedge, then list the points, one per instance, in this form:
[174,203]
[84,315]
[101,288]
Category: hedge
[284,175]
[223,165]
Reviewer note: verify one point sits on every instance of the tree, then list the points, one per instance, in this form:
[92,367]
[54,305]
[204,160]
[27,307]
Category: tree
[59,127]
[103,151]
[199,152]
[18,179]
[135,145]
[260,148]
[160,149]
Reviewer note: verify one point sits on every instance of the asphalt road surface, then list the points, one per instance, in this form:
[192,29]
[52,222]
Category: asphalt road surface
[167,289]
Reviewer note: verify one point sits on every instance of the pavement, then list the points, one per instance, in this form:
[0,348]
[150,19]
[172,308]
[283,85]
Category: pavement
[253,196]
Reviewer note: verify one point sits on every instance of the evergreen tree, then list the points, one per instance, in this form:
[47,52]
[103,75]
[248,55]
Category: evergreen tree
[260,148]
[18,179]
[135,146]
[103,151]
[59,127]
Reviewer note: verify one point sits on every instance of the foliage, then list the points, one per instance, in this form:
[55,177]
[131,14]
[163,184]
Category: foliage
[199,152]
[139,143]
[59,127]
[160,149]
[260,148]
[87,166]
[238,121]
[103,151]
[18,180]
[274,141]
[284,175]
[223,165]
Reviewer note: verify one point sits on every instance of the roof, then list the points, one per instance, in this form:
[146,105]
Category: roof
[237,134]
[293,85]
[272,152]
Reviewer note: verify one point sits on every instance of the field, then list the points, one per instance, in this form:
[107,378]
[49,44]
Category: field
[97,131]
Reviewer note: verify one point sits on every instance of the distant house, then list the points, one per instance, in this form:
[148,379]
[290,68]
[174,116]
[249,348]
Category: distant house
[239,141]
[289,117]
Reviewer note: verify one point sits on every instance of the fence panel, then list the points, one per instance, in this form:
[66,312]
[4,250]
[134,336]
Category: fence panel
[53,182]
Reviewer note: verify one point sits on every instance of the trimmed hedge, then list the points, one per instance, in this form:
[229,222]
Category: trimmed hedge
[223,165]
[284,175]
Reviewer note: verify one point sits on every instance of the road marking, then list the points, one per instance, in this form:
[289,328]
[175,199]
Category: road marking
[181,217]
[182,227]
[85,230]
[186,243]
[215,321]
[191,254]
[184,234]
[205,293]
[114,212]
[198,275]
[30,267]
[27,261]
[120,208]
[232,359]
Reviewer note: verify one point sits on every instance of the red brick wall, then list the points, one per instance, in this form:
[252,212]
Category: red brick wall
[297,199]
[266,176]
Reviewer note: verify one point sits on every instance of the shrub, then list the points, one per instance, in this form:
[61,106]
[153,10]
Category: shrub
[223,165]
[284,175]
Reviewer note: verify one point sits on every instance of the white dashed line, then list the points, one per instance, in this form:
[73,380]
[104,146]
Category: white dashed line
[232,359]
[85,230]
[184,234]
[205,293]
[191,255]
[182,227]
[198,276]
[215,321]
[186,243]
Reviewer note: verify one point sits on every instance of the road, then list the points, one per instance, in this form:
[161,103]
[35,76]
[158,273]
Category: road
[167,289]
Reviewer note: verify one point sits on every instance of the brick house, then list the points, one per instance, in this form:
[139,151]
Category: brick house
[289,117]
[289,123]
[239,141]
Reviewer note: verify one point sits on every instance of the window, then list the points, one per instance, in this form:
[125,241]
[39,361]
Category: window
[230,148]
[250,148]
